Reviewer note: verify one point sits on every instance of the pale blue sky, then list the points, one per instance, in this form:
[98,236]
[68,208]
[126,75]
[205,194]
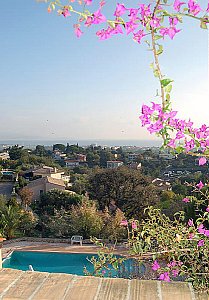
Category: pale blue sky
[55,86]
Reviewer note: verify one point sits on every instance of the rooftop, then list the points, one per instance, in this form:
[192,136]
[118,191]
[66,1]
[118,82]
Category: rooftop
[46,179]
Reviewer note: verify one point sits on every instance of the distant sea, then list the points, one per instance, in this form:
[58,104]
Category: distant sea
[110,143]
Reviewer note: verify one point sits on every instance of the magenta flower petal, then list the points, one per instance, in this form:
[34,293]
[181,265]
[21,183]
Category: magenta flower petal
[134,225]
[200,185]
[202,161]
[155,266]
[190,222]
[200,243]
[124,223]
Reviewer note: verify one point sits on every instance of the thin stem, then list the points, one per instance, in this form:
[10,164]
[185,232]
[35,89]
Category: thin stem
[160,76]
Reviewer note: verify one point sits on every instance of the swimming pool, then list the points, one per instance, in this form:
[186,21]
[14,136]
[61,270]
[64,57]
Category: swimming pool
[53,262]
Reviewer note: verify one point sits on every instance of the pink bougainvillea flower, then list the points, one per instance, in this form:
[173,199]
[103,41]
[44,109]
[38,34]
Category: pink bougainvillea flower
[124,223]
[207,209]
[207,10]
[88,21]
[206,232]
[77,30]
[175,272]
[164,31]
[172,264]
[173,21]
[191,235]
[103,272]
[172,143]
[155,22]
[145,10]
[102,3]
[202,161]
[201,229]
[133,14]
[186,200]
[201,243]
[190,222]
[134,225]
[130,27]
[138,36]
[104,34]
[172,31]
[165,277]
[194,8]
[155,266]
[179,135]
[200,185]
[120,10]
[66,12]
[88,2]
[117,30]
[177,5]
[98,17]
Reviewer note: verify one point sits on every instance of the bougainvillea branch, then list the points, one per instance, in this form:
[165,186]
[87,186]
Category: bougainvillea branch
[158,19]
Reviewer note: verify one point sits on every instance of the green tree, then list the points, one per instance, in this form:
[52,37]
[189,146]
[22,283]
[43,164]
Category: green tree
[86,220]
[59,147]
[128,189]
[105,155]
[112,230]
[15,152]
[40,150]
[58,225]
[92,159]
[10,220]
[26,196]
[80,183]
[27,224]
[56,199]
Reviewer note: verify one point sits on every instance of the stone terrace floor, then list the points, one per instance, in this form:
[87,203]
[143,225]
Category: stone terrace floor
[15,284]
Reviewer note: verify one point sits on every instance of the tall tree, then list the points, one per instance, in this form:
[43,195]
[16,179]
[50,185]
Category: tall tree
[59,147]
[15,152]
[127,189]
[26,196]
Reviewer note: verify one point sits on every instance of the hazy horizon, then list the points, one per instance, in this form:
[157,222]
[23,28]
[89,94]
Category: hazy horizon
[86,142]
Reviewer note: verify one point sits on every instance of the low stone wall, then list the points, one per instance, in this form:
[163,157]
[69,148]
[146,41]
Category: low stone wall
[42,240]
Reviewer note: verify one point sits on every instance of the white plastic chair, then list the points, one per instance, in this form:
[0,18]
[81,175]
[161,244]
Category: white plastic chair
[77,239]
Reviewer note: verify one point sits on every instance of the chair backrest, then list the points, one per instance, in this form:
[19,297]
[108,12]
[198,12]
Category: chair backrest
[77,238]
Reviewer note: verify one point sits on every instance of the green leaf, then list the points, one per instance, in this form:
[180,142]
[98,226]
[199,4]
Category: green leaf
[160,50]
[166,82]
[152,65]
[167,97]
[179,17]
[157,37]
[156,73]
[203,25]
[168,88]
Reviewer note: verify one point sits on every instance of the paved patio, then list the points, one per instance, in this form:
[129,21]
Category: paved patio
[52,247]
[15,284]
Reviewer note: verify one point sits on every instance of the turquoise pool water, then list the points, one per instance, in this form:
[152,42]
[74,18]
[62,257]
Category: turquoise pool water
[72,263]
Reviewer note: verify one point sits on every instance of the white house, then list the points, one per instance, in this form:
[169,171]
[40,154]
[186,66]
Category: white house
[114,164]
